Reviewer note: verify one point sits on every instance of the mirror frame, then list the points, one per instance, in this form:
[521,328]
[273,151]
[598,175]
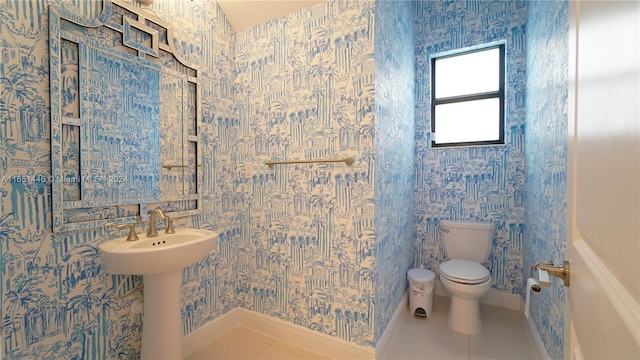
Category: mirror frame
[156,41]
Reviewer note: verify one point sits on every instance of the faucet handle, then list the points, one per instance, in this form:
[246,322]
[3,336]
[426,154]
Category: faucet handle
[132,230]
[170,229]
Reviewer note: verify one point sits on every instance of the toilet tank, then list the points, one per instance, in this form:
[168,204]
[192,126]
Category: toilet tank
[467,240]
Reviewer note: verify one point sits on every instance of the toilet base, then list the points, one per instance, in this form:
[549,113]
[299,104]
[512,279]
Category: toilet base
[464,316]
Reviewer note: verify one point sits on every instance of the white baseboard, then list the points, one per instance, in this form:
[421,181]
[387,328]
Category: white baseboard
[534,338]
[322,343]
[493,297]
[212,330]
[311,340]
[308,339]
[387,336]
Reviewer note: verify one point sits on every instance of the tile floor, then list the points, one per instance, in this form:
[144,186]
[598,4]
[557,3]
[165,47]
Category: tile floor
[504,337]
[244,343]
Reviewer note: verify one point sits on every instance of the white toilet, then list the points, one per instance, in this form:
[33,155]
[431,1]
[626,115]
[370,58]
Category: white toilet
[467,245]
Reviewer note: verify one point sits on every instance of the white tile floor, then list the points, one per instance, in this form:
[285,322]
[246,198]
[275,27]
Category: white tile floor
[244,343]
[504,337]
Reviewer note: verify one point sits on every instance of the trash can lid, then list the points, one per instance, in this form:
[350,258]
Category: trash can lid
[421,275]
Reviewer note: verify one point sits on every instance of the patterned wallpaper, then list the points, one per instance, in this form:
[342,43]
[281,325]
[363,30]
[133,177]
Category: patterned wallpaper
[297,242]
[546,157]
[305,90]
[57,303]
[316,245]
[472,183]
[394,154]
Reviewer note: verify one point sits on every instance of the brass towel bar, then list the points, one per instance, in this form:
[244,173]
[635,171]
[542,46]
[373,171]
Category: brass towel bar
[347,161]
[169,167]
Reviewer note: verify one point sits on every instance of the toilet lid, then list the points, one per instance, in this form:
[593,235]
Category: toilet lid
[464,271]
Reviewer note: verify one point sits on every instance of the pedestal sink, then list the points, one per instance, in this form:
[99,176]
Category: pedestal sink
[160,260]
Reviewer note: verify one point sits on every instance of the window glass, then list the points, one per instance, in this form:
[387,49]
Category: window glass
[476,72]
[467,99]
[468,121]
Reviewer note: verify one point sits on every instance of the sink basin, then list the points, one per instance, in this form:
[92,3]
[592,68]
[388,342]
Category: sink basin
[156,255]
[160,260]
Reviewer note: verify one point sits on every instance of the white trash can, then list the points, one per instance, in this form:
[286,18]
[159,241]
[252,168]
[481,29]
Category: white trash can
[421,283]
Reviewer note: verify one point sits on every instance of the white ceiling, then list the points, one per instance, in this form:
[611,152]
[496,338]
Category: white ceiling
[245,14]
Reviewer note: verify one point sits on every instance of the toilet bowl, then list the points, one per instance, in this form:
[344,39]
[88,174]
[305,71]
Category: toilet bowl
[466,245]
[464,310]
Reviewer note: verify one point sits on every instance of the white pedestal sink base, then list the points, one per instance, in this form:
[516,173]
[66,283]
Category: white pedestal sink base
[162,320]
[160,260]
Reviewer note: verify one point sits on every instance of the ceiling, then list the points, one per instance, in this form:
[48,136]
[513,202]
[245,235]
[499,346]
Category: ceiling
[245,14]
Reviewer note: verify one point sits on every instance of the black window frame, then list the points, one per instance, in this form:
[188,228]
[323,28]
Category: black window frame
[469,97]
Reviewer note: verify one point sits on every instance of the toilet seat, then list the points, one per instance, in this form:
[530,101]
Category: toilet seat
[464,271]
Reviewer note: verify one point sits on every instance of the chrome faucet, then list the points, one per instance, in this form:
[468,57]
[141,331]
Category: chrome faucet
[152,222]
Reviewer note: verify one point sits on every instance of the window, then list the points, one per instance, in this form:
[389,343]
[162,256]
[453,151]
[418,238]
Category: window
[467,98]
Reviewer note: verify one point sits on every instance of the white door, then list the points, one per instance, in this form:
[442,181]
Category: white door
[603,245]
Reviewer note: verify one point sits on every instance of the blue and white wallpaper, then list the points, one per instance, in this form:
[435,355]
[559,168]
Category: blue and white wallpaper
[394,155]
[57,303]
[324,246]
[486,183]
[297,242]
[546,157]
[305,89]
